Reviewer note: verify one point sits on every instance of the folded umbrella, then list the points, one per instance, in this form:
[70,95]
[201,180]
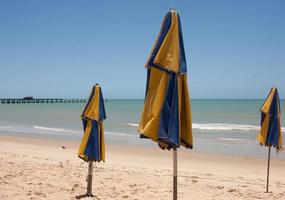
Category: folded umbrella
[166,116]
[270,132]
[92,147]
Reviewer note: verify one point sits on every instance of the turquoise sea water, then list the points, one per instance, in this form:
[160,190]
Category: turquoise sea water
[219,126]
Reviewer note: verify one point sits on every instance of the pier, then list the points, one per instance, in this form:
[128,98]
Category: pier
[40,100]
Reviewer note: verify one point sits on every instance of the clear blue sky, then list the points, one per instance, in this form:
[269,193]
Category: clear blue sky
[234,49]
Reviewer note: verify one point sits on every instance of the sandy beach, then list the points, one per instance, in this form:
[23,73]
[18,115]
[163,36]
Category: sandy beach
[41,169]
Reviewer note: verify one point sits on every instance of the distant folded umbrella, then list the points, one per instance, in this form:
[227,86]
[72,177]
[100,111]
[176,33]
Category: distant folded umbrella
[92,147]
[270,133]
[93,144]
[166,117]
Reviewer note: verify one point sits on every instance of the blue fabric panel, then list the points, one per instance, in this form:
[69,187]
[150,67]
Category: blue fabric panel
[163,32]
[272,135]
[274,105]
[92,147]
[147,82]
[182,58]
[84,121]
[169,119]
[102,113]
[262,118]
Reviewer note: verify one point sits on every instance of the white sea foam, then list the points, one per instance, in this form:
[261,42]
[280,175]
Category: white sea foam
[35,129]
[53,129]
[119,134]
[232,139]
[4,127]
[133,124]
[21,128]
[221,127]
[225,127]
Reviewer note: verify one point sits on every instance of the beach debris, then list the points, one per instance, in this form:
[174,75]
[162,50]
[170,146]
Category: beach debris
[63,147]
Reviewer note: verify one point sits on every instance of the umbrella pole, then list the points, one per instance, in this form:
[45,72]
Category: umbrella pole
[89,178]
[174,173]
[268,166]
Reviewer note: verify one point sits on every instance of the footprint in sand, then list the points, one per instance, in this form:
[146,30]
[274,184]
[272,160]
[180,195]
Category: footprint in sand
[209,174]
[194,181]
[232,190]
[211,187]
[60,164]
[132,185]
[40,194]
[243,186]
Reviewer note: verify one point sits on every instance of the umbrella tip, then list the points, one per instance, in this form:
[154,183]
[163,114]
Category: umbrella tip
[172,9]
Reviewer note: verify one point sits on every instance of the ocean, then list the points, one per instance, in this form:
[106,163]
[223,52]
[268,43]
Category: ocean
[219,126]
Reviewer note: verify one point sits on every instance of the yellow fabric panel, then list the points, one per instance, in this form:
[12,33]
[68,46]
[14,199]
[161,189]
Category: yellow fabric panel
[154,100]
[85,140]
[261,138]
[92,111]
[185,118]
[266,106]
[168,54]
[102,141]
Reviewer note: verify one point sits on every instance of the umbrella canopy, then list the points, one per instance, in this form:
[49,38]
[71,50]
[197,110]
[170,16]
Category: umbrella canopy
[166,117]
[92,146]
[270,133]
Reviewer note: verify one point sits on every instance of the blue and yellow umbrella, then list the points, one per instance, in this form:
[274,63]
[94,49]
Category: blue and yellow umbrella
[92,147]
[166,116]
[270,133]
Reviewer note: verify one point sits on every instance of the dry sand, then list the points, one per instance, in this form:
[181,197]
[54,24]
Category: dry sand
[40,169]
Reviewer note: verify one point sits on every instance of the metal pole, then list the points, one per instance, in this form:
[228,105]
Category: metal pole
[89,178]
[174,173]
[268,166]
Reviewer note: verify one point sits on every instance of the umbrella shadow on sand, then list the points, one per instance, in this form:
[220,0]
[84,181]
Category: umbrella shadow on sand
[85,195]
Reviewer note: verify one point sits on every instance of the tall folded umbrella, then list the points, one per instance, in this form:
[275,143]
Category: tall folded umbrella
[92,147]
[270,132]
[166,117]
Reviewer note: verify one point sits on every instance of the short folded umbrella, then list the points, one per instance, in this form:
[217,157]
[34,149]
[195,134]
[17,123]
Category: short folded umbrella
[92,147]
[166,117]
[270,132]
